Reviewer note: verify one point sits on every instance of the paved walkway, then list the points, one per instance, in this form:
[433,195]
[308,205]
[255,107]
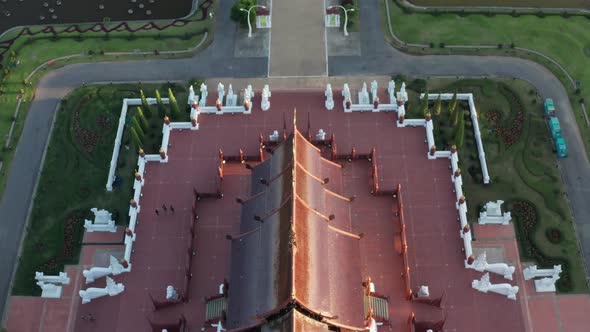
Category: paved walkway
[376,58]
[298,39]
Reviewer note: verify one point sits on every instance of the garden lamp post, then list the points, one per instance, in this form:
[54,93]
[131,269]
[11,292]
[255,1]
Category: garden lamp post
[345,16]
[248,13]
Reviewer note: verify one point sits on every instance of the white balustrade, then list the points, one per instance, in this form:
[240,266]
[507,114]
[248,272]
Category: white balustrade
[61,278]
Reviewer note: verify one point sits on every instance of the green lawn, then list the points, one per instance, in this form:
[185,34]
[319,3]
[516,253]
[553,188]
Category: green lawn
[75,172]
[506,3]
[30,52]
[567,40]
[525,170]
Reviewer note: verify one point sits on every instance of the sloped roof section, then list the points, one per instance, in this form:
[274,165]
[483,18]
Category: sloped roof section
[327,265]
[261,265]
[295,245]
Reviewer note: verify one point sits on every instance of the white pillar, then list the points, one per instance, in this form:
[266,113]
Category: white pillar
[220,92]
[265,103]
[391,92]
[374,90]
[191,95]
[329,97]
[204,95]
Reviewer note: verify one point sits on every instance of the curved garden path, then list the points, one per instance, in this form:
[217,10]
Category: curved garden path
[217,61]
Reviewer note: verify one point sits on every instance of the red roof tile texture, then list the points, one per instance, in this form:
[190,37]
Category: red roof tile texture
[287,250]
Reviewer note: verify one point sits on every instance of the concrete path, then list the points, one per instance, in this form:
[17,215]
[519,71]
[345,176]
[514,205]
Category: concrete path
[377,58]
[298,39]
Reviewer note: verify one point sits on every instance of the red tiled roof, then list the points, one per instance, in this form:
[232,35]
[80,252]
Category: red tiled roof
[295,243]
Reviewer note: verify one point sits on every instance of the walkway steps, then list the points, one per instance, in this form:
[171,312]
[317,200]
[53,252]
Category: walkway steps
[379,305]
[215,308]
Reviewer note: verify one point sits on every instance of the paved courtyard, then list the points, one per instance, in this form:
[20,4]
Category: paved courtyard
[434,247]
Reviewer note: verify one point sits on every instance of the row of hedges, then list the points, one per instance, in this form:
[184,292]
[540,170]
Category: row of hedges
[57,31]
[490,13]
[526,217]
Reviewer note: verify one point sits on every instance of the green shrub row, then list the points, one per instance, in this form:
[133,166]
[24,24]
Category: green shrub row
[526,217]
[490,13]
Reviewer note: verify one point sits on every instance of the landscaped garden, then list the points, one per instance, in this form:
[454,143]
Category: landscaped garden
[76,166]
[27,52]
[521,163]
[565,39]
[506,3]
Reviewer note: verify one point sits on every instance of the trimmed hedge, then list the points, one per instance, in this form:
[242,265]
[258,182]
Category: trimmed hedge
[526,218]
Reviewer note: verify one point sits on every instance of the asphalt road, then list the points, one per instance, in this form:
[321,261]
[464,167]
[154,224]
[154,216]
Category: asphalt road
[377,58]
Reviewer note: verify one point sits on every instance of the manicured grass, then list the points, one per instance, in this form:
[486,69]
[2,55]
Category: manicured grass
[506,3]
[525,170]
[75,172]
[32,51]
[567,40]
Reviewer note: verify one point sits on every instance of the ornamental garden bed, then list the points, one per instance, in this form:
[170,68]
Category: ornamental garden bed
[522,167]
[74,176]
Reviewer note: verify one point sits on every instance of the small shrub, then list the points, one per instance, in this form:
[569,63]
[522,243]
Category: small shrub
[512,45]
[554,235]
[418,85]
[515,13]
[500,46]
[441,45]
[540,14]
[431,45]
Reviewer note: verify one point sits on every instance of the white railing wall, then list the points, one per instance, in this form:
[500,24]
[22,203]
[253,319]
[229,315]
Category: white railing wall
[460,204]
[473,113]
[117,146]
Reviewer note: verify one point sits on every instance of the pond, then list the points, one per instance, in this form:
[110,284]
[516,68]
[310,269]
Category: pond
[30,12]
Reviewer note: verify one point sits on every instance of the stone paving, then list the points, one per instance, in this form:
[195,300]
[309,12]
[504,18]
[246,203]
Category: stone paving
[298,42]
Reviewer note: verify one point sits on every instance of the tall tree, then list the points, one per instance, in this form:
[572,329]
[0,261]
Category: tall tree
[141,119]
[146,107]
[135,125]
[460,131]
[136,140]
[453,109]
[438,106]
[174,110]
[424,107]
[161,107]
